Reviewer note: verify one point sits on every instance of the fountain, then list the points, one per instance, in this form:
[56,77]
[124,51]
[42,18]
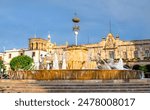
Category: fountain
[111,64]
[74,60]
[55,62]
[48,67]
[76,66]
[118,65]
[64,61]
[105,66]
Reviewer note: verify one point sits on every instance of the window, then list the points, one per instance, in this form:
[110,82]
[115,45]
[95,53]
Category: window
[9,56]
[42,46]
[32,46]
[36,45]
[136,54]
[33,54]
[147,53]
[125,55]
[21,54]
[111,54]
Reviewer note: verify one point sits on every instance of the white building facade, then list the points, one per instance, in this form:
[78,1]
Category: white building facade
[8,55]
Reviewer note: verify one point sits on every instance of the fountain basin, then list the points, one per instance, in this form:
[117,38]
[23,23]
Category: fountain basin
[76,74]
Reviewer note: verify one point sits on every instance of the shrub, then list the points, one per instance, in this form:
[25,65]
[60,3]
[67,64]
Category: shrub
[21,63]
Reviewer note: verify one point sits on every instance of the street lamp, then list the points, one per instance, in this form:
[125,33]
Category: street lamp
[76,29]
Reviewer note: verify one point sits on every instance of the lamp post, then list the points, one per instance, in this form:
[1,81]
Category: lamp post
[76,29]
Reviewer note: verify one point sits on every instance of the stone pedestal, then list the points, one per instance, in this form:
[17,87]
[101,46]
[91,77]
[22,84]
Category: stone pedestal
[76,57]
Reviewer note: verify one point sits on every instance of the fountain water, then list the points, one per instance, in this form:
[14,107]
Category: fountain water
[48,67]
[55,62]
[77,59]
[118,65]
[64,61]
[106,66]
[102,64]
[111,64]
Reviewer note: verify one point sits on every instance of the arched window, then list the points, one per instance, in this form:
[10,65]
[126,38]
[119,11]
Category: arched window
[148,67]
[32,46]
[136,54]
[9,56]
[33,54]
[42,46]
[136,67]
[36,45]
[147,53]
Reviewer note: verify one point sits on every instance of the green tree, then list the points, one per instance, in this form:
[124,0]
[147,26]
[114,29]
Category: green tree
[1,65]
[143,68]
[21,63]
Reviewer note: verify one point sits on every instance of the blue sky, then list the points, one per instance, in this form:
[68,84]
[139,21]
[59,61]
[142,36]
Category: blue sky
[21,19]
